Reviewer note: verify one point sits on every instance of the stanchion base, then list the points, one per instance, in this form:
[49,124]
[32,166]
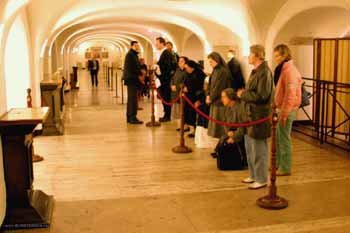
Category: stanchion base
[153,124]
[182,150]
[276,203]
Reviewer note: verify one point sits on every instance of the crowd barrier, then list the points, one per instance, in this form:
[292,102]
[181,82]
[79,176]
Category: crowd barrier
[271,201]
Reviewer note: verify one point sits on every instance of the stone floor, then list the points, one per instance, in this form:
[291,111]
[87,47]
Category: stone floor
[107,176]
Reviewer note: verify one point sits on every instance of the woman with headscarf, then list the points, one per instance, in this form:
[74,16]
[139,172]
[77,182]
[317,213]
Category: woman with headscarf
[193,87]
[220,79]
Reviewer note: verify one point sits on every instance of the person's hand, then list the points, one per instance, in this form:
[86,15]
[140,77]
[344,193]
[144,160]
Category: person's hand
[208,100]
[197,104]
[185,89]
[230,141]
[231,134]
[239,92]
[142,80]
[173,88]
[283,122]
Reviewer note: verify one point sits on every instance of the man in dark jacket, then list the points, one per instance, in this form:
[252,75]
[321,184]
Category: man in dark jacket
[94,67]
[257,100]
[170,47]
[132,69]
[167,66]
[238,81]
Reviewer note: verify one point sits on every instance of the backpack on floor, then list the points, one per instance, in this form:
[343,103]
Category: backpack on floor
[231,157]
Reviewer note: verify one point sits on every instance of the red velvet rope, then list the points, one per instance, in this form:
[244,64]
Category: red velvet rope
[234,125]
[165,102]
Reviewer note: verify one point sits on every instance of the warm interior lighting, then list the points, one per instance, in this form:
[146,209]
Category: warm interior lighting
[13,6]
[42,52]
[17,74]
[165,17]
[1,30]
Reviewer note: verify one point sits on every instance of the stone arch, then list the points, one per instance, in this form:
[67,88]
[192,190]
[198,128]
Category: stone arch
[291,9]
[193,49]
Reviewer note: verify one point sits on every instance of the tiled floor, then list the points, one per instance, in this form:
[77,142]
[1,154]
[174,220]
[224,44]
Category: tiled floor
[107,176]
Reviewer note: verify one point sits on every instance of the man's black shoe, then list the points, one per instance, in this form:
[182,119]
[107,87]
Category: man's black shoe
[185,130]
[135,122]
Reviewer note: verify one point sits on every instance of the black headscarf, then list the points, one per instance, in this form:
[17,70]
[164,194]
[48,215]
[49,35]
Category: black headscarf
[192,64]
[197,68]
[218,58]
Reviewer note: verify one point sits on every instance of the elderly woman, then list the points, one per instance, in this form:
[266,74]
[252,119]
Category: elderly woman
[176,85]
[233,110]
[193,87]
[287,100]
[233,135]
[220,79]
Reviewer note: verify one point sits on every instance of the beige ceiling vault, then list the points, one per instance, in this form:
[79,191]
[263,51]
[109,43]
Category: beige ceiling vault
[220,23]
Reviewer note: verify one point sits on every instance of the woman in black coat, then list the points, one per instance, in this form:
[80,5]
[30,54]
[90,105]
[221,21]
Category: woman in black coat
[193,87]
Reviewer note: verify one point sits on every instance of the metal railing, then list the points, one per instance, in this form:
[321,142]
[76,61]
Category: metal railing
[330,119]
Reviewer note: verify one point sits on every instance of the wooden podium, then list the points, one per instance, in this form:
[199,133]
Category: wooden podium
[26,208]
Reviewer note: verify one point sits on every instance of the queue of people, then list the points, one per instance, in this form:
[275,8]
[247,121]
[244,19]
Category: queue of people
[224,95]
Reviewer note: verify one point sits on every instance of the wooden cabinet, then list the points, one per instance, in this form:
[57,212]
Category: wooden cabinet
[26,208]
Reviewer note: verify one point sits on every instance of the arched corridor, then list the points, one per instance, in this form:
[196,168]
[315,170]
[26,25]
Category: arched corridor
[109,176]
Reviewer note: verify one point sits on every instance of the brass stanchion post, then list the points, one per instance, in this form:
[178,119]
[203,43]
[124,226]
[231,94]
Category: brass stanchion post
[116,84]
[182,148]
[35,158]
[122,85]
[153,122]
[272,201]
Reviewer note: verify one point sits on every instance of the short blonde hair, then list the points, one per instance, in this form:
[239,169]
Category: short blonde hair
[258,51]
[284,51]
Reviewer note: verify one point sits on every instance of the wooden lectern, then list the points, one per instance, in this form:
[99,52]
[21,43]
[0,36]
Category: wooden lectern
[26,208]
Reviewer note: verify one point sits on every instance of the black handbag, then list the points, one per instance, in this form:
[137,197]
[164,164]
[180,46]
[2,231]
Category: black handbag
[231,157]
[305,97]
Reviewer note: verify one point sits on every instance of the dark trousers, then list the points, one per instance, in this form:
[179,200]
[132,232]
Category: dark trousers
[94,77]
[132,102]
[165,92]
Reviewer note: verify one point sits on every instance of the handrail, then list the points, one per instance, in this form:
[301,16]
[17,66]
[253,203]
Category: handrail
[329,115]
[347,85]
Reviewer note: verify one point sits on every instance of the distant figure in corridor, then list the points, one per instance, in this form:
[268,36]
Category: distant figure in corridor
[257,99]
[131,76]
[220,79]
[288,100]
[144,79]
[238,81]
[167,66]
[94,67]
